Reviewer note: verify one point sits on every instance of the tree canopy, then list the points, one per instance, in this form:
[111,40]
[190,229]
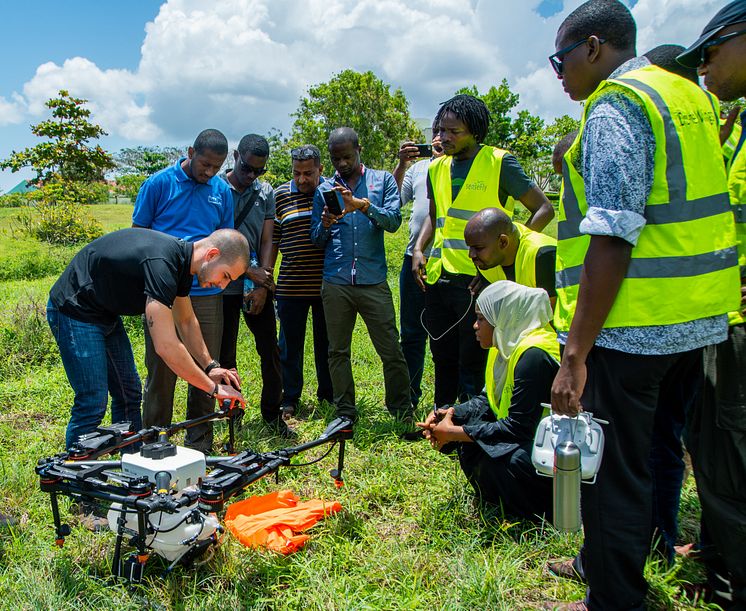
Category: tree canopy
[67,153]
[146,160]
[363,102]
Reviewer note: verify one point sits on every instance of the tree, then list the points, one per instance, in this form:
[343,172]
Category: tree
[540,167]
[146,160]
[363,102]
[67,154]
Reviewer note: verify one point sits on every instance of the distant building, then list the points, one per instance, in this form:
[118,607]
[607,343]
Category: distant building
[22,187]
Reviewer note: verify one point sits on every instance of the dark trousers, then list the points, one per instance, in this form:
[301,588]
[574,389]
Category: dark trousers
[158,398]
[342,304]
[458,359]
[509,481]
[413,335]
[626,390]
[717,442]
[264,329]
[293,314]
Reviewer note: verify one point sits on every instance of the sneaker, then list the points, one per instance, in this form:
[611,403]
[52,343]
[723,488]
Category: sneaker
[280,428]
[564,569]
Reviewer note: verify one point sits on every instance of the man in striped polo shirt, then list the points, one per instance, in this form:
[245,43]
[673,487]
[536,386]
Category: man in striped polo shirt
[299,281]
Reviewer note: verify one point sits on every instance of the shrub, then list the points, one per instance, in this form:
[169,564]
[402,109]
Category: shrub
[57,216]
[129,184]
[13,200]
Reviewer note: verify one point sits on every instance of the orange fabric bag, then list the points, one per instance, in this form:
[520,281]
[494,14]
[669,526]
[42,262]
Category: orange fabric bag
[271,520]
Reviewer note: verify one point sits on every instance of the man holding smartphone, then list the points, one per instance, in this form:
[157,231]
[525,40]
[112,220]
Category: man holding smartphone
[354,276]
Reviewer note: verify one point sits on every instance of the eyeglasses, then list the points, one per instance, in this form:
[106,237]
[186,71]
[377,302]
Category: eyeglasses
[557,59]
[303,153]
[250,169]
[715,42]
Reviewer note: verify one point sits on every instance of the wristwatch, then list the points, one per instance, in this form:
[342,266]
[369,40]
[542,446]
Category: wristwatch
[211,365]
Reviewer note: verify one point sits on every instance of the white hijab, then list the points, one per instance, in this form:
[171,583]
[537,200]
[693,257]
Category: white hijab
[514,311]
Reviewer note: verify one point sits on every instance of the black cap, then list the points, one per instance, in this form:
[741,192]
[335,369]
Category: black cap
[735,12]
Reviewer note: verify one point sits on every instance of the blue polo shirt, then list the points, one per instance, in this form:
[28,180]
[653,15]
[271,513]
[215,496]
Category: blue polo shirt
[354,244]
[173,203]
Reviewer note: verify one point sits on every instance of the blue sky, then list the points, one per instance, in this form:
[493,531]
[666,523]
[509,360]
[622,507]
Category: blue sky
[242,65]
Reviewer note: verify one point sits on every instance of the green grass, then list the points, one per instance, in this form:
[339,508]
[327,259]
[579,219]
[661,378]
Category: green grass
[410,535]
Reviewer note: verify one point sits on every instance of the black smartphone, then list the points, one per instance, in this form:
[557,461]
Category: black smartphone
[424,150]
[331,199]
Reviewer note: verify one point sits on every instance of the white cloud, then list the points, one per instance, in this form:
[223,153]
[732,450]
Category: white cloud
[11,111]
[242,65]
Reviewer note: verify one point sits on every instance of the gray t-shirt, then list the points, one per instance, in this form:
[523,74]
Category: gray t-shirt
[262,209]
[617,161]
[414,189]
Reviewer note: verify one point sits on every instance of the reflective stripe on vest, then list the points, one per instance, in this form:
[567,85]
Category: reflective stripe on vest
[737,192]
[545,338]
[480,190]
[684,264]
[525,258]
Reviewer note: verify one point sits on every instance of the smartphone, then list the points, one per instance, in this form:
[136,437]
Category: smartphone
[424,150]
[331,199]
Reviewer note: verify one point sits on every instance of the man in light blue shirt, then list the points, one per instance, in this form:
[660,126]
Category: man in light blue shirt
[354,276]
[188,201]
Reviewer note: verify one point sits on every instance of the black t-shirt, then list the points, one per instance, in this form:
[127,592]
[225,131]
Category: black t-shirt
[114,274]
[544,270]
[513,180]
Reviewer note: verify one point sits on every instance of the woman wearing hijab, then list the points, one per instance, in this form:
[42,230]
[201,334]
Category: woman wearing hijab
[494,431]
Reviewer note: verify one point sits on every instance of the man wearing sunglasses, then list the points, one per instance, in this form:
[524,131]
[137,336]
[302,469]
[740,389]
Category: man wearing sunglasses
[254,204]
[646,273]
[188,201]
[717,434]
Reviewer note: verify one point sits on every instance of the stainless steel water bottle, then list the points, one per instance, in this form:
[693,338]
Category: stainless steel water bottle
[567,487]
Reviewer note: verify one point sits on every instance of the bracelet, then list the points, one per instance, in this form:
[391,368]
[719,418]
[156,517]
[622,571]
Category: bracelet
[214,393]
[210,366]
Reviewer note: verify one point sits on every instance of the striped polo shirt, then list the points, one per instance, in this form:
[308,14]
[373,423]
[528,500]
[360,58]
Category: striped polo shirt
[302,262]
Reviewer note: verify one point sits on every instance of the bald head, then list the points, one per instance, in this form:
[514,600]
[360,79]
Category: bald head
[491,221]
[492,238]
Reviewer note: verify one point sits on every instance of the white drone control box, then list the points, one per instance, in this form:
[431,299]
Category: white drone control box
[583,430]
[187,467]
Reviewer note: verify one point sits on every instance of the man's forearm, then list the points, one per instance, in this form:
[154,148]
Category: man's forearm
[191,336]
[541,218]
[604,269]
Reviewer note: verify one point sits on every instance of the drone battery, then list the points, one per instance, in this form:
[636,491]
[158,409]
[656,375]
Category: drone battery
[187,467]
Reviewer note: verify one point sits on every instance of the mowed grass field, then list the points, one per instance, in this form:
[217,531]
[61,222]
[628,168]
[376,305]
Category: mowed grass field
[410,535]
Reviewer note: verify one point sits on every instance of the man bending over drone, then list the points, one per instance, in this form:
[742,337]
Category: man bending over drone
[131,272]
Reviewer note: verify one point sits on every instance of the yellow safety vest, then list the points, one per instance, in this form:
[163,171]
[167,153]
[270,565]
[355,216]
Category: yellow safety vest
[525,258]
[480,190]
[684,266]
[545,338]
[737,192]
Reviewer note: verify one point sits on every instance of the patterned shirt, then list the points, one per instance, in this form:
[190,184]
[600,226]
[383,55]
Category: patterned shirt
[617,160]
[302,263]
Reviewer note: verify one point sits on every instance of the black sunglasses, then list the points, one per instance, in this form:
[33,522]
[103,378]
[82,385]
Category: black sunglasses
[557,58]
[715,42]
[250,169]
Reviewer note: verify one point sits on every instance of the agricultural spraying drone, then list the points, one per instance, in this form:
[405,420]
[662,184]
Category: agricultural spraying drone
[163,498]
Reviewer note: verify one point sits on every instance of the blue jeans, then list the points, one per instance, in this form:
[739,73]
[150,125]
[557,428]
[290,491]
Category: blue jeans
[98,361]
[413,335]
[293,314]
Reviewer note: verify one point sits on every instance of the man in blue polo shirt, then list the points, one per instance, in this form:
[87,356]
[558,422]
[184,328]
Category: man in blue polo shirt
[188,201]
[354,277]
